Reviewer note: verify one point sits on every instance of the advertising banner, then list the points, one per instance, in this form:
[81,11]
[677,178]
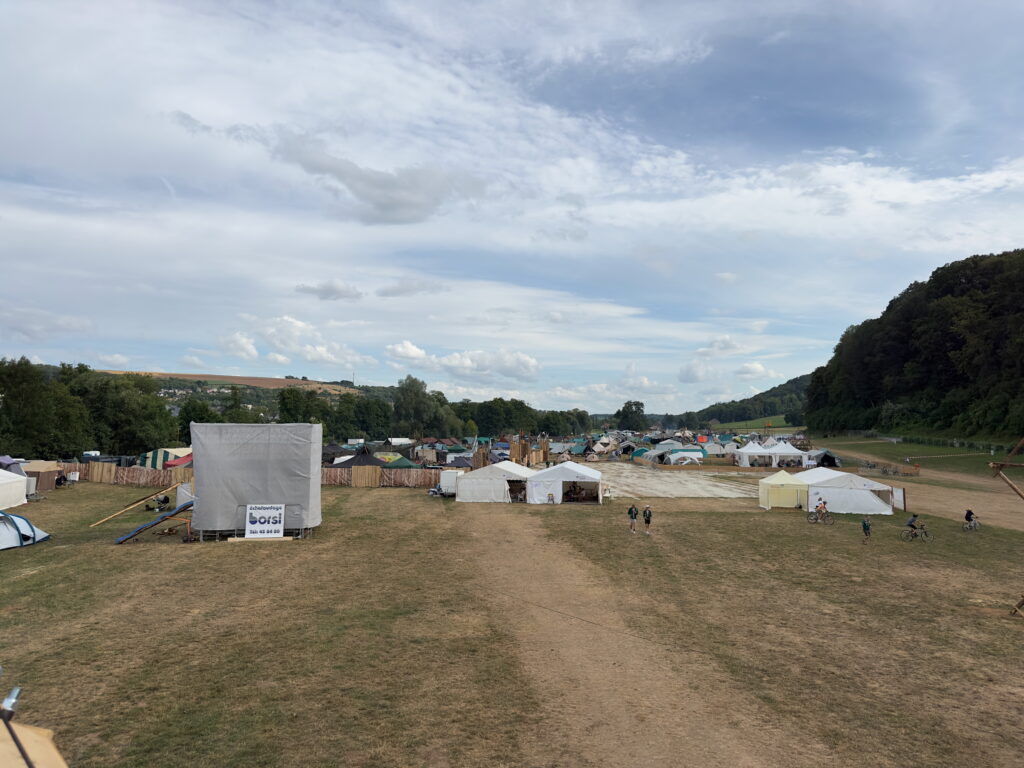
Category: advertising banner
[264,521]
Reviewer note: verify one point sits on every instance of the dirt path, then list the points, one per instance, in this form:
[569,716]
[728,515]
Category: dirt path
[609,698]
[989,497]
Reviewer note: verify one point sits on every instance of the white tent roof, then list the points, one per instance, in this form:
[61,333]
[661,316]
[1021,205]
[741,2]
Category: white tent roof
[754,448]
[819,475]
[569,470]
[785,449]
[507,470]
[13,488]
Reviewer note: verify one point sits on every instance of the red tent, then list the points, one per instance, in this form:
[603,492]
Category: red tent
[184,461]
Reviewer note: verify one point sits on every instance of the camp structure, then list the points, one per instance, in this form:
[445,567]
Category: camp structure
[236,465]
[17,531]
[713,448]
[11,465]
[844,493]
[45,473]
[784,454]
[501,482]
[565,482]
[157,459]
[13,489]
[753,454]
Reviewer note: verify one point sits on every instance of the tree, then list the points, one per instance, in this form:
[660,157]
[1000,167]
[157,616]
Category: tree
[194,410]
[415,409]
[236,413]
[471,428]
[373,417]
[631,416]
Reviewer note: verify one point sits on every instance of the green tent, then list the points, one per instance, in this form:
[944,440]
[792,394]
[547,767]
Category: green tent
[401,463]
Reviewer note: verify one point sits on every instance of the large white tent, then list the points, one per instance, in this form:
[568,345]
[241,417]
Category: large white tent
[784,452]
[552,485]
[493,483]
[844,492]
[13,489]
[753,450]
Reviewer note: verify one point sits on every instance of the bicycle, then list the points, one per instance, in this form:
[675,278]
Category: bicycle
[973,525]
[820,517]
[909,534]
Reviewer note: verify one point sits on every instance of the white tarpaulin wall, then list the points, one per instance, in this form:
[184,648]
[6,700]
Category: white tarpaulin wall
[490,483]
[13,489]
[548,485]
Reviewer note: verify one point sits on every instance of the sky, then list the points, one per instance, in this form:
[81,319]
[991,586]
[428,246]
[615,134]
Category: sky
[573,203]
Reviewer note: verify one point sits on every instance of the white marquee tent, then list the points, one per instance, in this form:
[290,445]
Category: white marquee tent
[549,486]
[13,489]
[753,450]
[783,451]
[845,493]
[492,483]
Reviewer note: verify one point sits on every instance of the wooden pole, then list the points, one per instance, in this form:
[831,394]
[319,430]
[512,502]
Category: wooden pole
[1009,482]
[134,504]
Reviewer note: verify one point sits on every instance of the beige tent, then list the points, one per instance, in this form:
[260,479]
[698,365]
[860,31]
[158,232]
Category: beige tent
[781,490]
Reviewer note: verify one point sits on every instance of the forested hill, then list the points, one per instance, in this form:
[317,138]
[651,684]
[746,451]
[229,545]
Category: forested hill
[788,398]
[946,354]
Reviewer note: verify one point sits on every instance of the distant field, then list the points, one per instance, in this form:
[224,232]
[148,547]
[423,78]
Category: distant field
[755,424]
[945,458]
[261,382]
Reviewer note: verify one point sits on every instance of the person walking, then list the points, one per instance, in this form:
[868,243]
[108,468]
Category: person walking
[647,519]
[866,525]
[632,512]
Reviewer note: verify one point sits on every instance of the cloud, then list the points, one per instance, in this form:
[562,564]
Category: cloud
[726,277]
[115,359]
[240,345]
[471,363]
[694,371]
[403,196]
[291,337]
[410,287]
[754,371]
[193,361]
[632,381]
[721,345]
[278,359]
[331,290]
[30,324]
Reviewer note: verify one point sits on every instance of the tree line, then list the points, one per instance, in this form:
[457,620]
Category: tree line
[945,355]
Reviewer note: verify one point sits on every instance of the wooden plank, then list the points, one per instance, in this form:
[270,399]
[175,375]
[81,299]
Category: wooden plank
[134,504]
[38,743]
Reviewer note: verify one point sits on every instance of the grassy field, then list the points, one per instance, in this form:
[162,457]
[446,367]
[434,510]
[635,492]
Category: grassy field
[943,458]
[377,643]
[776,422]
[365,646]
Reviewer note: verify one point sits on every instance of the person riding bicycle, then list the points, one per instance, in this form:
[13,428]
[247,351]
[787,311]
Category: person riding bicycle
[821,509]
[912,523]
[969,516]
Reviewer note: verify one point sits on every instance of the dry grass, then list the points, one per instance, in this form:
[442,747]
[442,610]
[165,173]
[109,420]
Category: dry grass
[364,646]
[891,654]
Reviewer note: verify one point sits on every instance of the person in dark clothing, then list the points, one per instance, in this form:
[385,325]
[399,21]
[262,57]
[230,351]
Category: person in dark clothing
[632,512]
[647,519]
[865,524]
[912,522]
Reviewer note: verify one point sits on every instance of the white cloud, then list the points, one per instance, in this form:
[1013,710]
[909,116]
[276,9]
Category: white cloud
[291,337]
[31,324]
[754,371]
[693,371]
[471,363]
[117,360]
[720,346]
[278,359]
[726,277]
[410,287]
[193,361]
[331,290]
[240,345]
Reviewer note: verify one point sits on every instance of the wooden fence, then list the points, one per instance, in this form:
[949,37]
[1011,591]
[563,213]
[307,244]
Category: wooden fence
[359,477]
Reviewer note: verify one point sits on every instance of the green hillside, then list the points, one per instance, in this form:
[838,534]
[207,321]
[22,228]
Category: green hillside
[946,356]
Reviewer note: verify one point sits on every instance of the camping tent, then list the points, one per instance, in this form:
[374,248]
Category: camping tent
[17,531]
[782,452]
[845,493]
[11,465]
[567,481]
[494,483]
[713,449]
[158,458]
[13,489]
[240,464]
[753,451]
[402,463]
[45,473]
